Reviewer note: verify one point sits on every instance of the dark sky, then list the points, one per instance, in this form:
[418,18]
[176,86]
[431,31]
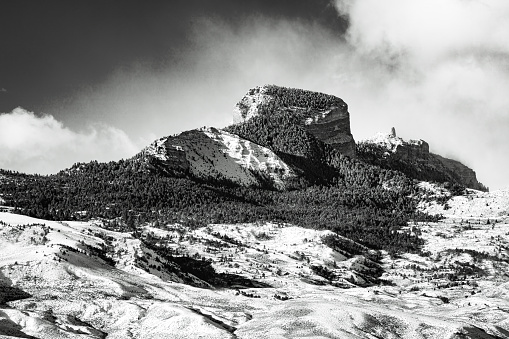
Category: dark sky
[102,79]
[51,50]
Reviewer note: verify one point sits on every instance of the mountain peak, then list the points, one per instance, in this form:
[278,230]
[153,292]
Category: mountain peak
[392,142]
[325,116]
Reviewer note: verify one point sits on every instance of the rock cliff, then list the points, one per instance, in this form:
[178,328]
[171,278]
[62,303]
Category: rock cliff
[462,173]
[414,159]
[323,115]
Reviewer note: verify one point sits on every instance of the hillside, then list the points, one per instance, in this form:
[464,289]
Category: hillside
[210,154]
[79,280]
[362,202]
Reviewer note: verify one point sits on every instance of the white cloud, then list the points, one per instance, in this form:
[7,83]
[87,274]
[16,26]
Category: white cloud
[41,144]
[3,90]
[439,70]
[428,30]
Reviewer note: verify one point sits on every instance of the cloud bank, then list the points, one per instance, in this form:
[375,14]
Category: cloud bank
[437,70]
[41,144]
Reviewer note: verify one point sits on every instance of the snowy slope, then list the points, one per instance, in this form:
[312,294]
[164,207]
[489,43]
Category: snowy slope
[74,294]
[218,155]
[473,205]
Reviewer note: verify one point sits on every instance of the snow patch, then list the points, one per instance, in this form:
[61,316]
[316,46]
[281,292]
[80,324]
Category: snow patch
[316,117]
[386,140]
[248,106]
[250,156]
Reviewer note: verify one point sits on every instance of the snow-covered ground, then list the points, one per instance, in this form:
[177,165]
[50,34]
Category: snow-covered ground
[457,288]
[247,157]
[473,205]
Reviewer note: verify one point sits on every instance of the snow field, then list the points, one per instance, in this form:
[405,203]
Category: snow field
[75,295]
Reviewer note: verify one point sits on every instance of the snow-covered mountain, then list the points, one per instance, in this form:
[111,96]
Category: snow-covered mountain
[262,230]
[214,154]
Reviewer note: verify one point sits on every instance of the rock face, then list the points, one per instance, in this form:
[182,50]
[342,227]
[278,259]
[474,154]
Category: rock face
[325,116]
[414,158]
[465,174]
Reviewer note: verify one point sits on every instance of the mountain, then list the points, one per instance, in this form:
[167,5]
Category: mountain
[285,138]
[415,160]
[325,116]
[271,227]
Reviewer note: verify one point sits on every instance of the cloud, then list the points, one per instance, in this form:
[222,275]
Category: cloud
[41,144]
[438,70]
[201,85]
[3,90]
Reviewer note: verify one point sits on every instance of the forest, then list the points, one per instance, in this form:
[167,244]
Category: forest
[288,97]
[353,204]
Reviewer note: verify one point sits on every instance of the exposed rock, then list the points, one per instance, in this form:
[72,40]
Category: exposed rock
[465,174]
[400,149]
[325,116]
[414,159]
[167,157]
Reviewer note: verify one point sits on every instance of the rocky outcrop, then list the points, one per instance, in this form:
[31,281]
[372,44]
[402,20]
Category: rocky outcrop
[414,159]
[216,155]
[166,157]
[325,116]
[463,174]
[398,148]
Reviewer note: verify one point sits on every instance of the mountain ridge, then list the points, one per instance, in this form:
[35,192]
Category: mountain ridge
[214,154]
[194,237]
[413,157]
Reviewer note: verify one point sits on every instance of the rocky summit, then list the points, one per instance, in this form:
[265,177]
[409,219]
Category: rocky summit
[325,116]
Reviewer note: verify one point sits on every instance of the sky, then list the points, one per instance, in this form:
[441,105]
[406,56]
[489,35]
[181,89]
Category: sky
[102,79]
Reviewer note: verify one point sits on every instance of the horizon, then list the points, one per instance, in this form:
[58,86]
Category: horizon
[101,81]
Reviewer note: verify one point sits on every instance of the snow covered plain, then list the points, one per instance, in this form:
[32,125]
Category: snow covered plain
[78,280]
